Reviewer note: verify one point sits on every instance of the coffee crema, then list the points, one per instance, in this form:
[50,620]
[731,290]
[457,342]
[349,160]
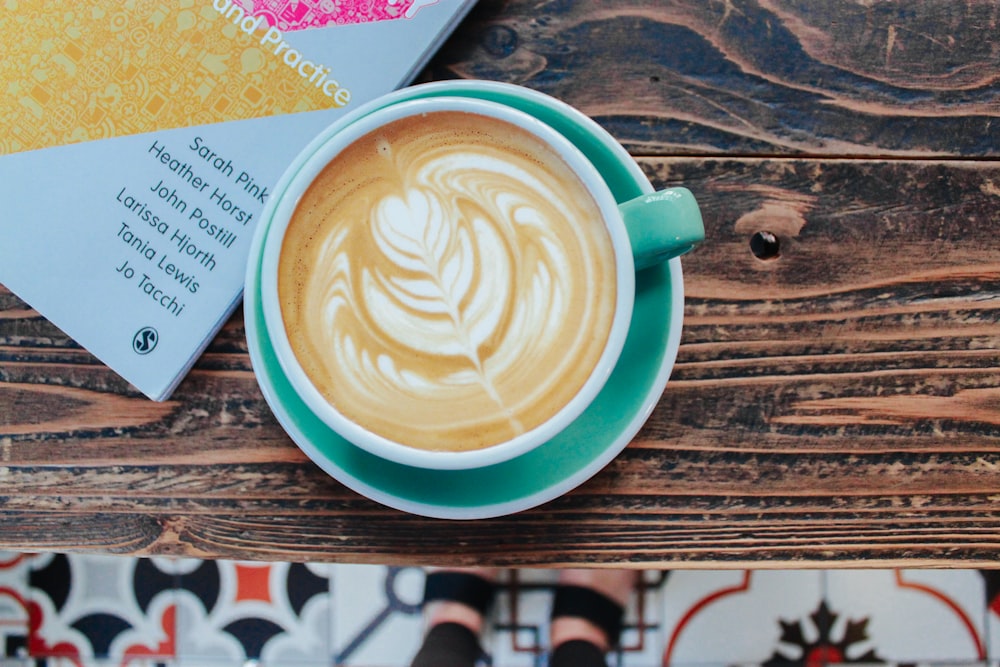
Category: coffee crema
[447,281]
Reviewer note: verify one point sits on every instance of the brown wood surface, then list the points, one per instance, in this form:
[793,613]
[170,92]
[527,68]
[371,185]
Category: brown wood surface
[836,405]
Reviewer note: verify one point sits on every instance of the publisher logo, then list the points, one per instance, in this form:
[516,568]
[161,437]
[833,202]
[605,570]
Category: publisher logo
[145,340]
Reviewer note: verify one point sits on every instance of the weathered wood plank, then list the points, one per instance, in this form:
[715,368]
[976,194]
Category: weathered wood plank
[876,329]
[757,533]
[752,76]
[838,404]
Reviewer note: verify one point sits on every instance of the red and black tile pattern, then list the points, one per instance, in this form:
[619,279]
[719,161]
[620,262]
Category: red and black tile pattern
[97,611]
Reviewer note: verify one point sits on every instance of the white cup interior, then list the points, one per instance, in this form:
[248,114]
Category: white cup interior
[282,206]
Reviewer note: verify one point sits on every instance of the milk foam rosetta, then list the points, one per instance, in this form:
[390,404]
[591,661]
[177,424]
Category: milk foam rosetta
[447,281]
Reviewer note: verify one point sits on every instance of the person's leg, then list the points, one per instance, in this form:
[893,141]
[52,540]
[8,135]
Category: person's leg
[587,614]
[454,608]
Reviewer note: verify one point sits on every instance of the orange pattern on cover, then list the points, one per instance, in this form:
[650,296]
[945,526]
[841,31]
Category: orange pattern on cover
[299,14]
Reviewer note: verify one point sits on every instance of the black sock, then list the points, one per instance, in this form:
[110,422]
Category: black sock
[448,645]
[581,602]
[469,589]
[577,653]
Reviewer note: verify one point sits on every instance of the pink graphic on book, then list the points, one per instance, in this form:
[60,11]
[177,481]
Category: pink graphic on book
[289,15]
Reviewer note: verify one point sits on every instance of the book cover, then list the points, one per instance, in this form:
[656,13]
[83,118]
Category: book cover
[142,137]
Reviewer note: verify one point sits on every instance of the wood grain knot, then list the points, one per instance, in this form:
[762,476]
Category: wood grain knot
[499,41]
[765,245]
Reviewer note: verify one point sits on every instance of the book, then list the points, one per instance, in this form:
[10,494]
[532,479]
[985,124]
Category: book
[142,139]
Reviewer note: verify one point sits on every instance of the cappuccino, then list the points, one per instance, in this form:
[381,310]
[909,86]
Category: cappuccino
[447,281]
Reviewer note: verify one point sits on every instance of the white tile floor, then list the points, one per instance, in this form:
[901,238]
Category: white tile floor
[90,611]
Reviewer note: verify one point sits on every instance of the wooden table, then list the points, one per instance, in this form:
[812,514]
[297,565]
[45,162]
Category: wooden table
[835,404]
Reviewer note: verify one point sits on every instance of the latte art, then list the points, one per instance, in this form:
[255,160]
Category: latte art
[447,281]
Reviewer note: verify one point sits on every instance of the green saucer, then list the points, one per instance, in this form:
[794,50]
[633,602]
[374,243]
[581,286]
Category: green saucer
[562,463]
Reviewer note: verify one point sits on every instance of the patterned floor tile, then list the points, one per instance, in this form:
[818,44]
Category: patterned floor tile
[742,617]
[13,606]
[376,615]
[909,616]
[377,621]
[991,593]
[94,662]
[234,613]
[99,611]
[87,609]
[15,662]
[642,638]
[519,632]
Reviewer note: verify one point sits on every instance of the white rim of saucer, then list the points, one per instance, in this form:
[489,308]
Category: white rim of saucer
[311,162]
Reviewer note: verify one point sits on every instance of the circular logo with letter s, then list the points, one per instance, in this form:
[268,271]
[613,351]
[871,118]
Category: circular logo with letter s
[145,340]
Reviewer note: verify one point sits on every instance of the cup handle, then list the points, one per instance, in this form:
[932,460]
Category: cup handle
[662,225]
